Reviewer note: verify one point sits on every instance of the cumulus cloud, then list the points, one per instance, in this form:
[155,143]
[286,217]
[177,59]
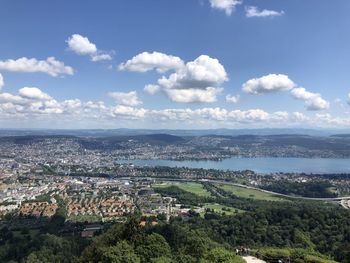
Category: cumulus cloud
[151,89]
[30,100]
[72,103]
[50,66]
[313,101]
[253,11]
[2,82]
[278,82]
[128,112]
[225,5]
[146,61]
[232,99]
[101,56]
[299,117]
[37,106]
[196,81]
[268,84]
[126,98]
[83,46]
[33,93]
[10,98]
[207,95]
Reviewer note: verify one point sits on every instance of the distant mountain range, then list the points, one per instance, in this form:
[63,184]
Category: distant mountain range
[210,146]
[176,132]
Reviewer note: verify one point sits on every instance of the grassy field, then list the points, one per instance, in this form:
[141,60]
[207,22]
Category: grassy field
[250,193]
[222,208]
[195,188]
[332,190]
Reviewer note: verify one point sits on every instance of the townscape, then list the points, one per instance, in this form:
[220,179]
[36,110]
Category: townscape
[105,150]
[38,175]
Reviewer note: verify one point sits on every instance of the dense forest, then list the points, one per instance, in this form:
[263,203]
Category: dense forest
[314,189]
[195,240]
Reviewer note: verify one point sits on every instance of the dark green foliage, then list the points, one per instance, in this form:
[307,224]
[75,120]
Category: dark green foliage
[153,246]
[53,249]
[122,252]
[220,255]
[162,260]
[315,189]
[165,243]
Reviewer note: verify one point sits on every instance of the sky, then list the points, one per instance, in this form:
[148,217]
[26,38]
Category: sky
[186,64]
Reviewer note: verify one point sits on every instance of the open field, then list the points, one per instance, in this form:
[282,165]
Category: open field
[332,190]
[222,209]
[195,188]
[250,193]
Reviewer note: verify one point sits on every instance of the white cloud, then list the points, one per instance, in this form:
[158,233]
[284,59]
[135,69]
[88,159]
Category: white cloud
[146,61]
[30,100]
[253,11]
[10,98]
[275,83]
[128,112]
[72,103]
[349,98]
[33,93]
[38,107]
[232,99]
[196,81]
[151,89]
[50,66]
[206,95]
[225,5]
[313,101]
[126,98]
[83,46]
[2,82]
[299,117]
[268,84]
[101,56]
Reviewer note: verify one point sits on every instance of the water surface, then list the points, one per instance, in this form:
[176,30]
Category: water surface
[259,165]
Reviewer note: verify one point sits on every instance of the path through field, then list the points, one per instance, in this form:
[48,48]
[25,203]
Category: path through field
[250,259]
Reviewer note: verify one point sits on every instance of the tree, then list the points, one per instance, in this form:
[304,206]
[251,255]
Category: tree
[162,260]
[33,258]
[303,240]
[221,255]
[153,246]
[132,230]
[122,252]
[197,244]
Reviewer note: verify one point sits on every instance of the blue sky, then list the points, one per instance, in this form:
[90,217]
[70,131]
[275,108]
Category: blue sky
[292,57]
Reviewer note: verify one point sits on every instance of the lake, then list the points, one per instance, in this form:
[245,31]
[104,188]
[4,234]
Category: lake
[259,165]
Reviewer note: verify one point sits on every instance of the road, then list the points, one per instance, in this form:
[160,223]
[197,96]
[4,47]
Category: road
[250,259]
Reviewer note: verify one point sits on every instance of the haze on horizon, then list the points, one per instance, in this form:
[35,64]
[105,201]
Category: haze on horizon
[194,64]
